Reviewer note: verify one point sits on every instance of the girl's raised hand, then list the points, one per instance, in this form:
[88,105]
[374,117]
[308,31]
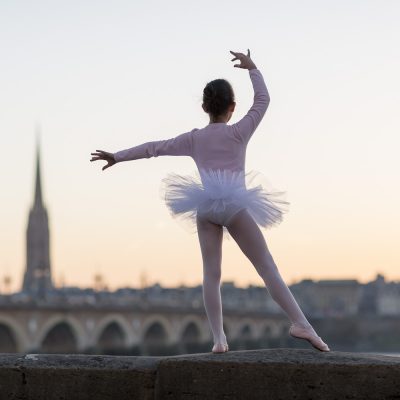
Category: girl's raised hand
[245,61]
[104,155]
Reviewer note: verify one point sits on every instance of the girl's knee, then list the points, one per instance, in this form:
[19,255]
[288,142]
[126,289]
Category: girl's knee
[212,274]
[265,268]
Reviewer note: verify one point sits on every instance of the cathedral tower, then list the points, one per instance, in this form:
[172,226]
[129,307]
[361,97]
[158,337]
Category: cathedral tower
[37,277]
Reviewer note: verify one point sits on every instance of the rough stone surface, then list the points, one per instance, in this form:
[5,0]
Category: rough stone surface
[246,374]
[76,377]
[279,374]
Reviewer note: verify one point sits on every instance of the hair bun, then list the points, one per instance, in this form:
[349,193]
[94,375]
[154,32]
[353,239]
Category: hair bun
[210,91]
[217,96]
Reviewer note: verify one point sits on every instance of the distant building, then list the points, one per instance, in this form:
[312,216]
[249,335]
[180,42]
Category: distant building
[37,277]
[370,295]
[389,300]
[336,297]
[387,297]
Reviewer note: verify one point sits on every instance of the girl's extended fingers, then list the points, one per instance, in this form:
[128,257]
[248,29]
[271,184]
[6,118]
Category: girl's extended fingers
[237,55]
[102,154]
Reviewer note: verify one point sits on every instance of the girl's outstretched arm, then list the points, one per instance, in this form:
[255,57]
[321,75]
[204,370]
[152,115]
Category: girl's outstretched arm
[245,128]
[181,145]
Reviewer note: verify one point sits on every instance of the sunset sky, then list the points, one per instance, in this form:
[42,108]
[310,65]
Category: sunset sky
[111,75]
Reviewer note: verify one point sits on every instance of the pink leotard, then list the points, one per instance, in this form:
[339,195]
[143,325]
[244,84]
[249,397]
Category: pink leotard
[217,145]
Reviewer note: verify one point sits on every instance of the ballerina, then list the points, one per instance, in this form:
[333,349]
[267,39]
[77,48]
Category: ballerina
[222,198]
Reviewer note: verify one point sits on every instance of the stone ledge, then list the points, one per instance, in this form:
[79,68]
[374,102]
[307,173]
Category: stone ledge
[246,374]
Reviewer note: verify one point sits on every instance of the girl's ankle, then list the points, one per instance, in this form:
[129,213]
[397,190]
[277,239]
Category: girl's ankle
[220,340]
[302,325]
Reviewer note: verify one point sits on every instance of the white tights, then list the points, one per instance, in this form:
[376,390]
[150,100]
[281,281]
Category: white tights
[251,241]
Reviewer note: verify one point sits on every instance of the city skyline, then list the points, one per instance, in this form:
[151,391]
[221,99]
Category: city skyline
[329,138]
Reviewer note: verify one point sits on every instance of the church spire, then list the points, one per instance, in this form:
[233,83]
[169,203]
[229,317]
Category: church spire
[37,278]
[38,202]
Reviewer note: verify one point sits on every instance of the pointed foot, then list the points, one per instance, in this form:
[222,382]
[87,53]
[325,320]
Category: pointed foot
[220,348]
[300,332]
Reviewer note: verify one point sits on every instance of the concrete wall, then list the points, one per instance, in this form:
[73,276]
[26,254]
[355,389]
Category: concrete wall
[251,375]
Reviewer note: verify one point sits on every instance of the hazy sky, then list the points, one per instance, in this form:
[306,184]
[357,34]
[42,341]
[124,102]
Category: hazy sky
[111,75]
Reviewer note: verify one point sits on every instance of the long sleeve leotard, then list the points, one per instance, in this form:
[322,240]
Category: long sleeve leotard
[217,145]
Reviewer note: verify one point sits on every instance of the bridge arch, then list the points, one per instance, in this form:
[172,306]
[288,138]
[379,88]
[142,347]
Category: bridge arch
[156,328]
[246,331]
[68,325]
[16,334]
[111,324]
[193,324]
[269,330]
[191,332]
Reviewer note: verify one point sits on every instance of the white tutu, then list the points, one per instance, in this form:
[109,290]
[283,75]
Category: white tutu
[214,191]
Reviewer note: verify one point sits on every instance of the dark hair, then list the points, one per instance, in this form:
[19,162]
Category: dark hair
[217,97]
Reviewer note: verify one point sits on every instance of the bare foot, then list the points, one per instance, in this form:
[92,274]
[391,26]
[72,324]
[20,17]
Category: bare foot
[220,348]
[309,334]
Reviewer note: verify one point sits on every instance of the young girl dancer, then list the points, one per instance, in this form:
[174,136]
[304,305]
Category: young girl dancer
[221,195]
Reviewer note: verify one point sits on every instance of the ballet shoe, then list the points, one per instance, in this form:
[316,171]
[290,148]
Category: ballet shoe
[300,332]
[220,348]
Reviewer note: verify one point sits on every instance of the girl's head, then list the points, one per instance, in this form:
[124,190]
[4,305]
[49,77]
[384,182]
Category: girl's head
[219,99]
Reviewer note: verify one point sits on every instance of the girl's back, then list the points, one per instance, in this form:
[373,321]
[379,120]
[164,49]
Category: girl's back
[223,146]
[217,145]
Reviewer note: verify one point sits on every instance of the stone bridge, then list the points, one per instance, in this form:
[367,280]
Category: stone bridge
[87,329]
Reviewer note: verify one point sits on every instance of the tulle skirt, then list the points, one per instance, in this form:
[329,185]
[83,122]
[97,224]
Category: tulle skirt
[219,194]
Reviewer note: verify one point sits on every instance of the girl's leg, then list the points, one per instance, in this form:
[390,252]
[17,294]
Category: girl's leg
[210,238]
[251,241]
